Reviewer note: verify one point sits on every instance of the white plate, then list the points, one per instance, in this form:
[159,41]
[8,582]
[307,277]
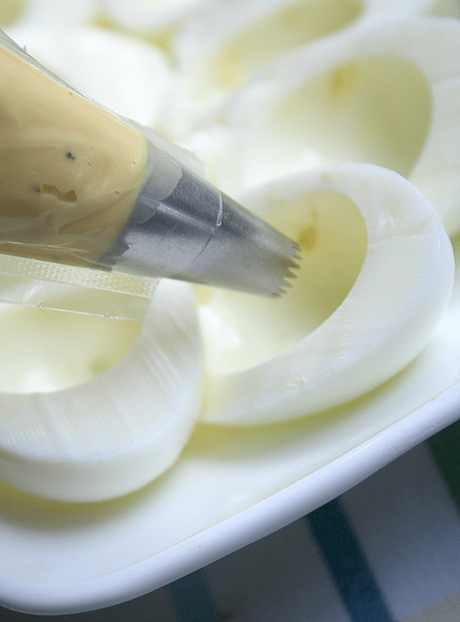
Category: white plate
[229,488]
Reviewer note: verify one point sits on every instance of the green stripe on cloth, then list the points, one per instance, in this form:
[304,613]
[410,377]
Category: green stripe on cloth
[445,446]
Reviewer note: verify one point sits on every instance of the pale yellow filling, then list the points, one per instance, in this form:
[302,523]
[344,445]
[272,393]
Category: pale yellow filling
[70,173]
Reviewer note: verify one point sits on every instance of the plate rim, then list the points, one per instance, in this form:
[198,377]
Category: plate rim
[258,521]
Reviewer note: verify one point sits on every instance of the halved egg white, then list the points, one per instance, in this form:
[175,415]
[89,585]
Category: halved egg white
[376,273]
[227,42]
[92,409]
[43,13]
[150,16]
[381,95]
[219,48]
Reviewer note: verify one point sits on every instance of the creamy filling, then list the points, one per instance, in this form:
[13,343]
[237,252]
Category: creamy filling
[70,173]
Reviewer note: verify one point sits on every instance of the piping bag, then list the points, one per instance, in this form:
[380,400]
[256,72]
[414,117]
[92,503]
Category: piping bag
[178,224]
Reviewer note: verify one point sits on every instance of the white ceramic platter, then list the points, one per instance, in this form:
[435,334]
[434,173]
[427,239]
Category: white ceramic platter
[229,488]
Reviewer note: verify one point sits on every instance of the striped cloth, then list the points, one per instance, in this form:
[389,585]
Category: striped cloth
[388,550]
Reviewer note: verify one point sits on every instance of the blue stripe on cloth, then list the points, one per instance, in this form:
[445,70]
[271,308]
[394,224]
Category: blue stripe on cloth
[193,601]
[347,564]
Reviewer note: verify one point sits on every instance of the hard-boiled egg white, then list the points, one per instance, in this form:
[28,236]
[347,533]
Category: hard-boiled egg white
[43,13]
[150,16]
[227,42]
[380,95]
[91,408]
[224,45]
[376,273]
[115,409]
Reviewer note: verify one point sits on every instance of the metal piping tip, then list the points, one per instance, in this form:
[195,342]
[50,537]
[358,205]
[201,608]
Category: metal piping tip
[183,227]
[246,254]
